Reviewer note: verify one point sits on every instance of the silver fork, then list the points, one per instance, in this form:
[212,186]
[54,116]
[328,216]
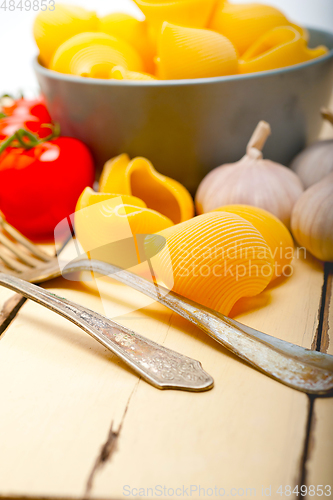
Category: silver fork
[162,367]
[302,369]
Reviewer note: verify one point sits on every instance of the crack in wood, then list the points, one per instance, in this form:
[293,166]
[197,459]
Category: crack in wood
[306,448]
[320,343]
[9,310]
[325,337]
[108,449]
[315,346]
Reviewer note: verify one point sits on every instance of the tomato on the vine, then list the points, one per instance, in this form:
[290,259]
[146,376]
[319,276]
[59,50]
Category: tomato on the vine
[29,114]
[10,124]
[40,185]
[28,107]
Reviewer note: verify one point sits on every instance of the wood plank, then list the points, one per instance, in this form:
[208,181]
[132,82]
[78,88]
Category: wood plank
[61,391]
[320,462]
[248,432]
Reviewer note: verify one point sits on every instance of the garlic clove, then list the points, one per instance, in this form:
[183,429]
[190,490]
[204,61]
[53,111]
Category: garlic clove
[312,219]
[251,181]
[316,161]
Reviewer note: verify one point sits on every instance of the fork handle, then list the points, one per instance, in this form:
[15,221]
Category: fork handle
[302,369]
[162,367]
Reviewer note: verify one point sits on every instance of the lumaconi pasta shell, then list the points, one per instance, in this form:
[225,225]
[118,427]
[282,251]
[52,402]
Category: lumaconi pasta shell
[216,258]
[194,53]
[243,24]
[302,31]
[90,197]
[139,178]
[120,73]
[52,28]
[280,47]
[191,13]
[273,231]
[134,32]
[105,229]
[94,55]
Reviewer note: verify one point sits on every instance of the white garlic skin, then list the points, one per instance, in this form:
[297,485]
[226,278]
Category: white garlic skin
[257,182]
[312,219]
[314,163]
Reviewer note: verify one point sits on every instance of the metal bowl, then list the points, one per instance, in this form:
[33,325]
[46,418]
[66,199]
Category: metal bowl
[188,127]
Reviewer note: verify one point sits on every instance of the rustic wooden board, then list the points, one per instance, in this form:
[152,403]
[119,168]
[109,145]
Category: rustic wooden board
[318,459]
[248,432]
[320,465]
[61,391]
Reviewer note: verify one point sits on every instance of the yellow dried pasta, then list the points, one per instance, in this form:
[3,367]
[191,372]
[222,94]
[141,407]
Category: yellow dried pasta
[194,53]
[134,32]
[190,13]
[214,259]
[120,73]
[139,178]
[107,226]
[243,24]
[278,48]
[52,28]
[94,55]
[273,231]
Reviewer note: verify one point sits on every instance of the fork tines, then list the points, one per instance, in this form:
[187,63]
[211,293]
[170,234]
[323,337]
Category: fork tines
[18,253]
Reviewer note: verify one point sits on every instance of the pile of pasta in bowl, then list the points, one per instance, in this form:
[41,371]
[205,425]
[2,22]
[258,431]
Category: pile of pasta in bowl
[174,40]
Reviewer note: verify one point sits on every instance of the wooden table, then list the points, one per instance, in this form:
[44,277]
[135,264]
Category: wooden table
[75,422]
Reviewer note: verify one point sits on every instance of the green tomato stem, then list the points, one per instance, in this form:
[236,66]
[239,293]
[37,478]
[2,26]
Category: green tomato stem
[17,140]
[6,143]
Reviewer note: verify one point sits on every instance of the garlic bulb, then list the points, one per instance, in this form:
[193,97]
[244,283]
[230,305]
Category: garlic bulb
[252,181]
[312,219]
[316,161]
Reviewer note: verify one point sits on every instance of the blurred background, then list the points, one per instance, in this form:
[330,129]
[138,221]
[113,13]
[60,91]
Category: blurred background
[18,47]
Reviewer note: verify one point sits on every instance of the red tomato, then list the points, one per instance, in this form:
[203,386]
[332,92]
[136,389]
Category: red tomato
[40,186]
[9,125]
[23,107]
